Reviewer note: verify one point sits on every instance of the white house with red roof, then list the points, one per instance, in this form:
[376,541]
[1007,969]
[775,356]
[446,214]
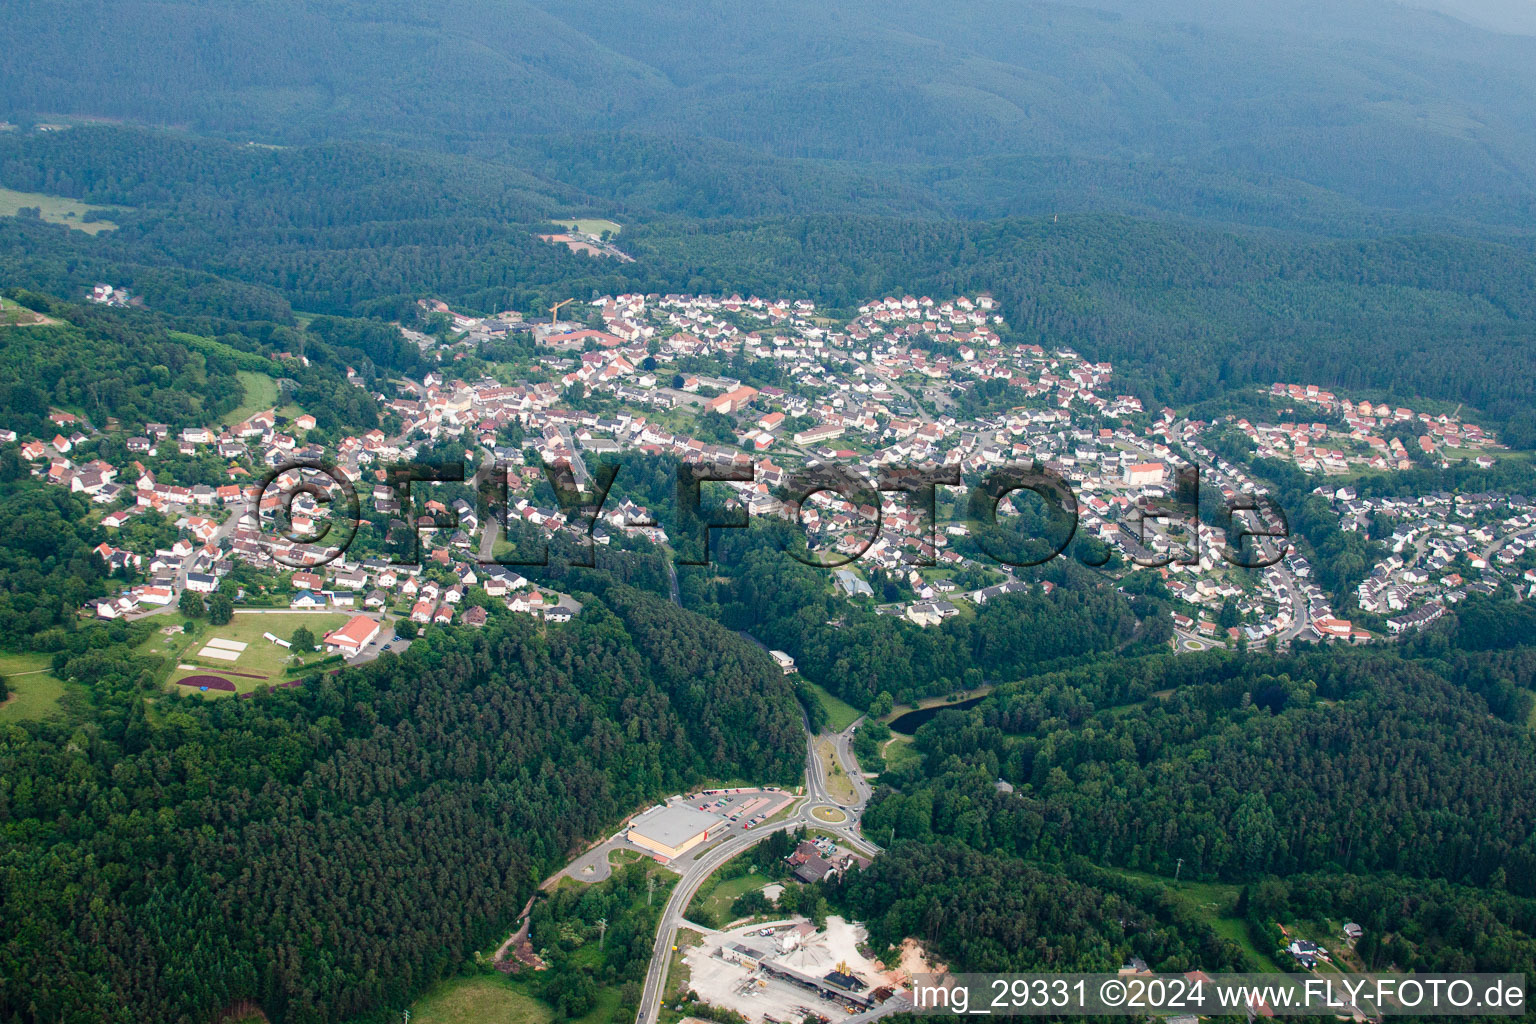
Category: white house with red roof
[358,633]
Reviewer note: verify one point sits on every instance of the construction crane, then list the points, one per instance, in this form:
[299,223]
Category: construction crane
[555,310]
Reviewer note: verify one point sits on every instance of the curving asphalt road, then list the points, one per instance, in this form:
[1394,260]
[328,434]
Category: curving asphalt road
[706,864]
[738,843]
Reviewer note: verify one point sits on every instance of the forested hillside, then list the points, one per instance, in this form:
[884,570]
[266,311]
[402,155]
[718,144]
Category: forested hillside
[330,850]
[103,366]
[47,568]
[1185,312]
[755,586]
[1368,786]
[1260,767]
[332,229]
[1361,102]
[1000,914]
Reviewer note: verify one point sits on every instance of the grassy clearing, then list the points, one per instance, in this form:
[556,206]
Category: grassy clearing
[1216,903]
[14,315]
[1498,455]
[723,895]
[619,858]
[57,210]
[260,395]
[840,714]
[479,1000]
[592,225]
[260,658]
[899,750]
[679,979]
[34,691]
[602,1009]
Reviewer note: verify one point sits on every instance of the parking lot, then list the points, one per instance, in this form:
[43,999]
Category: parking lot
[744,808]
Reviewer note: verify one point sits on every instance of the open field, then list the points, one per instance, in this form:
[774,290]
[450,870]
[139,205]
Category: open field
[480,1000]
[261,394]
[840,714]
[1498,455]
[592,225]
[56,210]
[261,663]
[35,692]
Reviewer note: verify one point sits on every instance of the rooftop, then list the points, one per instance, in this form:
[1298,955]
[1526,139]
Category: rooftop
[673,825]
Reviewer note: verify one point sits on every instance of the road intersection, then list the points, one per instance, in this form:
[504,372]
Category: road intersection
[800,816]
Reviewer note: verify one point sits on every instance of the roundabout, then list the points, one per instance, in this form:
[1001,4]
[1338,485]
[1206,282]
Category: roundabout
[829,814]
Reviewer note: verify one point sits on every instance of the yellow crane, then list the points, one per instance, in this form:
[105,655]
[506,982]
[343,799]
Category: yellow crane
[555,310]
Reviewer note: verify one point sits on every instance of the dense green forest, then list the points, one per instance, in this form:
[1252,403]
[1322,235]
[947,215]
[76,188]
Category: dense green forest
[47,568]
[1409,924]
[987,912]
[330,850]
[596,937]
[135,367]
[1383,787]
[1185,312]
[1247,768]
[1248,765]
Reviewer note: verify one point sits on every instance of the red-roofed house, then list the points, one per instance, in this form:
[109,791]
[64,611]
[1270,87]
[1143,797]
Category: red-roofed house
[357,634]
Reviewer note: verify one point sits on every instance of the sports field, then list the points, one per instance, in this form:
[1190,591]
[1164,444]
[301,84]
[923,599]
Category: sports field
[237,653]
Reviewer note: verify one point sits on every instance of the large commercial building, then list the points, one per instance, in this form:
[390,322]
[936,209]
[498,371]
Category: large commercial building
[673,830]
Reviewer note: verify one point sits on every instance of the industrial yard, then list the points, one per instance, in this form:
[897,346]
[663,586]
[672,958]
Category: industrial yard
[788,970]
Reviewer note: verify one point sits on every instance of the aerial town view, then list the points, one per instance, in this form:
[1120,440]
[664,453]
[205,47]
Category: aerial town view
[531,513]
